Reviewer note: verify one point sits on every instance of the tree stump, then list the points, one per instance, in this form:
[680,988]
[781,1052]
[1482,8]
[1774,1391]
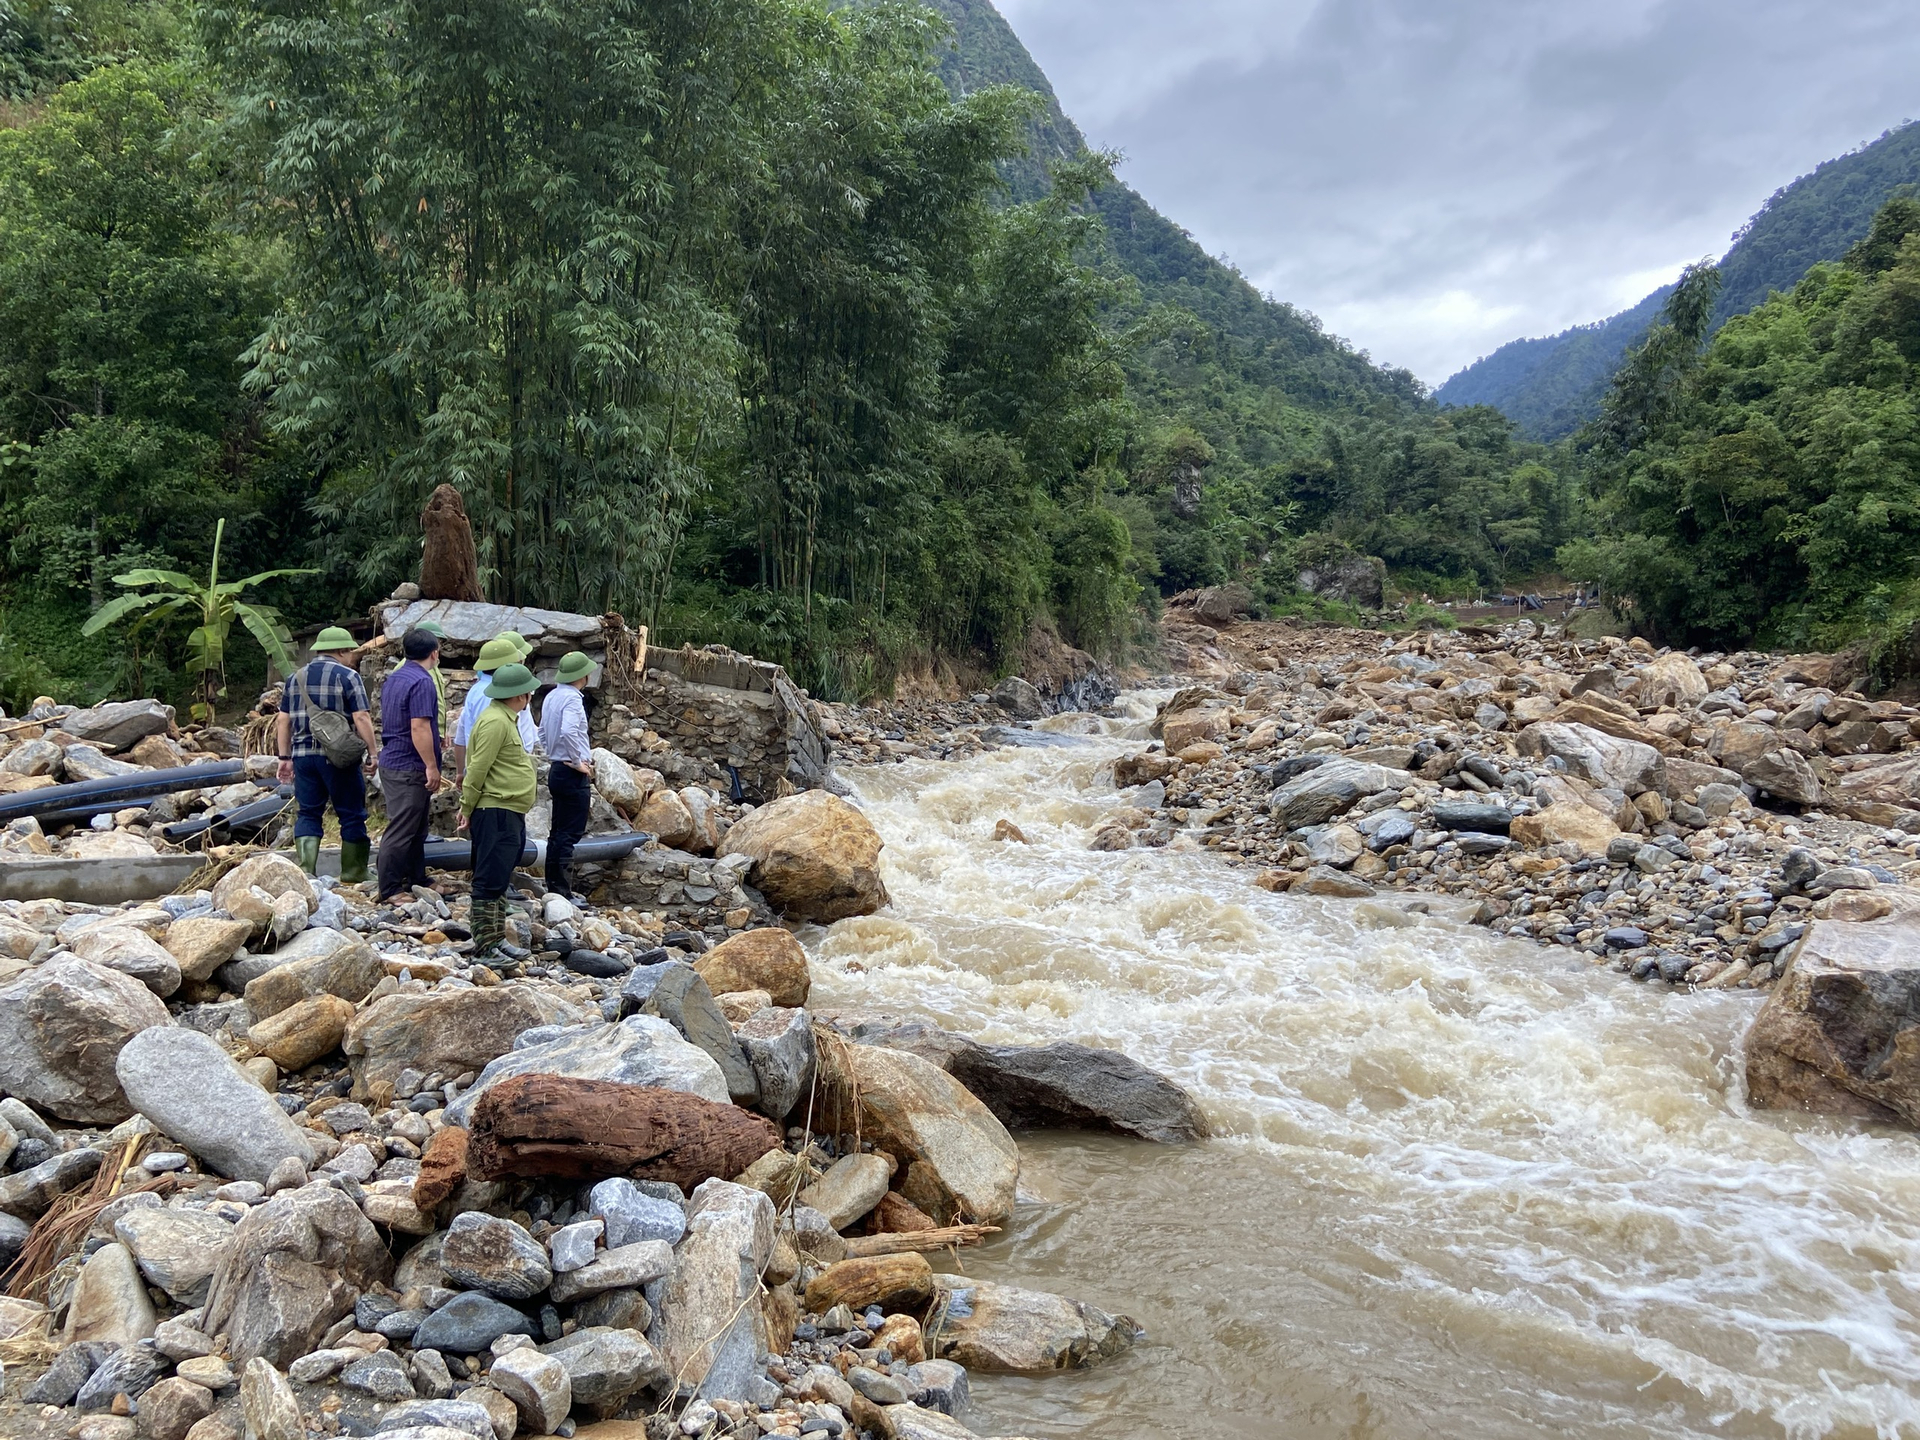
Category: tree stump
[553,1125]
[449,565]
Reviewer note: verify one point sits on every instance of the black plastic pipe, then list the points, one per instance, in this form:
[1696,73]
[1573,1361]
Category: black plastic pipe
[112,792]
[248,817]
[593,850]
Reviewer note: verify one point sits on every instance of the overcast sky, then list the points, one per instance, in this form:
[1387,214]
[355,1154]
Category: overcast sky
[1434,178]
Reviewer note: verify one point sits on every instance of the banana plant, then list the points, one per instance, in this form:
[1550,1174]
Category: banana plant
[217,604]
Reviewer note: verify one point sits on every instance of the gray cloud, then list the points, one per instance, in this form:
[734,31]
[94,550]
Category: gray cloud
[1436,177]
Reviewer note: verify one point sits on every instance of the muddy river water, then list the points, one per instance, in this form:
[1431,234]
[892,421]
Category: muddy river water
[1462,1185]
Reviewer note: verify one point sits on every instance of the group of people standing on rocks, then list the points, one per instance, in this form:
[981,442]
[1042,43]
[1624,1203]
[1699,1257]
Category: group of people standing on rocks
[328,749]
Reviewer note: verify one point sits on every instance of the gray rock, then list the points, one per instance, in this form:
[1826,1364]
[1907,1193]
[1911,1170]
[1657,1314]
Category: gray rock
[314,962]
[130,1371]
[1717,801]
[267,1405]
[632,1215]
[195,1092]
[1785,775]
[61,1380]
[431,1378]
[381,1375]
[1800,868]
[26,1194]
[605,1365]
[1625,937]
[178,1250]
[675,992]
[86,762]
[852,1186]
[482,1252]
[1327,790]
[1600,759]
[131,952]
[1476,844]
[119,723]
[61,1026]
[1842,877]
[1335,845]
[13,1237]
[938,1385]
[1019,699]
[1038,1086]
[469,1323]
[537,1384]
[626,1267]
[704,1326]
[462,1415]
[779,1047]
[572,1246]
[880,1388]
[1480,819]
[110,1301]
[1386,828]
[614,1309]
[296,1265]
[640,1050]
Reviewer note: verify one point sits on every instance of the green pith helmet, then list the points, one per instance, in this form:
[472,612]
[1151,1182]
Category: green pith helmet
[573,665]
[433,627]
[494,654]
[334,637]
[522,647]
[511,680]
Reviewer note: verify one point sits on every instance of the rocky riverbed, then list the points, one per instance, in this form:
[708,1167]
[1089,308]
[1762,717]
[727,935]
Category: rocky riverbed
[1680,818]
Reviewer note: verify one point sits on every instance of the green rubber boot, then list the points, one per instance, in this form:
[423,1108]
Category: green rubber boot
[489,927]
[353,861]
[307,848]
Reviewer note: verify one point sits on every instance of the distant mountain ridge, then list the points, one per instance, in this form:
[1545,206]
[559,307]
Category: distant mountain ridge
[1550,386]
[1272,344]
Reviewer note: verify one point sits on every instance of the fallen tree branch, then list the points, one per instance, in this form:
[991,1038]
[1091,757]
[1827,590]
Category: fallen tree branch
[864,1247]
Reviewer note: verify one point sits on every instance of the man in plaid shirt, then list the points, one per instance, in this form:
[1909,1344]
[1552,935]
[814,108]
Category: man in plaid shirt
[316,780]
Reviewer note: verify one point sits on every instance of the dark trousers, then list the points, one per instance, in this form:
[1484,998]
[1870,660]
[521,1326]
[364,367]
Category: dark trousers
[499,837]
[402,860]
[572,803]
[318,782]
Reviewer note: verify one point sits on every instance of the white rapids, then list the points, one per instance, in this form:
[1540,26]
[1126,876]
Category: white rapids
[1464,1185]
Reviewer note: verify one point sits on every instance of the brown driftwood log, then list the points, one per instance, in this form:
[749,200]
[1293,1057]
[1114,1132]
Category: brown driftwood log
[897,1215]
[946,1238]
[449,565]
[553,1125]
[442,1167]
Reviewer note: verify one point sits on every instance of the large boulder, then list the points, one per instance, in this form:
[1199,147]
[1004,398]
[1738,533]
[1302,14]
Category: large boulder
[297,1264]
[119,723]
[1785,775]
[445,1032]
[1002,1329]
[1840,1032]
[674,991]
[766,959]
[606,1365]
[780,1048]
[1315,797]
[201,944]
[706,1323]
[271,872]
[959,1162]
[1041,1086]
[198,1095]
[62,1025]
[131,952]
[814,857]
[178,1250]
[640,1050]
[1674,680]
[320,961]
[1598,758]
[1566,822]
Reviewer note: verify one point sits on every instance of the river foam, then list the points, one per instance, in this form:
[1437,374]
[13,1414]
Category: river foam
[1464,1185]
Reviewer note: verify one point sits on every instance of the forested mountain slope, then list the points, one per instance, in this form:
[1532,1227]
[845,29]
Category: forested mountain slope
[1551,386]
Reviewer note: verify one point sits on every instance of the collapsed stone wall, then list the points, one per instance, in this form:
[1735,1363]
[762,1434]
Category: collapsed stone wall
[693,714]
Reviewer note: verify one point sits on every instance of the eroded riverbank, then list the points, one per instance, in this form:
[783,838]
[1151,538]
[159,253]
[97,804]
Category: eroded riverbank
[1464,1182]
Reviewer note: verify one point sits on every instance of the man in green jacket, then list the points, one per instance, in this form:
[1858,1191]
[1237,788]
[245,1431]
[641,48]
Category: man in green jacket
[494,801]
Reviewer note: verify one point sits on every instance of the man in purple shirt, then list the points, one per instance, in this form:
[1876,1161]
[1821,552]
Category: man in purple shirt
[409,762]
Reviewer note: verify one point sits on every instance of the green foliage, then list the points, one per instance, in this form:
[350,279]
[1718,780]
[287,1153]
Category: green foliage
[1550,387]
[1770,484]
[215,605]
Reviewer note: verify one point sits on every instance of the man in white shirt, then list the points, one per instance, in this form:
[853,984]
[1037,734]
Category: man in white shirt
[505,648]
[563,732]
